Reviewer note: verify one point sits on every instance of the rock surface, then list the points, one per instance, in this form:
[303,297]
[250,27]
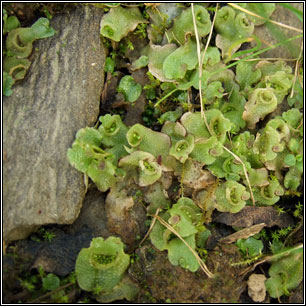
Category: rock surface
[286,17]
[60,254]
[92,215]
[55,256]
[60,95]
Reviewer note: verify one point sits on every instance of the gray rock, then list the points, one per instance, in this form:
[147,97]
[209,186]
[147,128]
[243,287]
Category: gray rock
[60,95]
[92,215]
[60,254]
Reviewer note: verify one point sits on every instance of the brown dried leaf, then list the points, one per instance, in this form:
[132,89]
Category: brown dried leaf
[125,216]
[195,177]
[251,215]
[243,234]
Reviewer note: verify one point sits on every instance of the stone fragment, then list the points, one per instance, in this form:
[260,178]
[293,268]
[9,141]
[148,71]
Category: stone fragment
[257,287]
[59,95]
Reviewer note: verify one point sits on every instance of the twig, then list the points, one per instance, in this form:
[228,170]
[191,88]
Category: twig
[266,19]
[209,36]
[293,232]
[300,81]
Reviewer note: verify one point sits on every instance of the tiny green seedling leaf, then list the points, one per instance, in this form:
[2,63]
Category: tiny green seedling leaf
[51,282]
[129,88]
[109,65]
[250,247]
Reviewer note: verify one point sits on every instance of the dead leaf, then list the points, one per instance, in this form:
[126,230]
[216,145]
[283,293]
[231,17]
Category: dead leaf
[197,178]
[243,234]
[251,215]
[125,216]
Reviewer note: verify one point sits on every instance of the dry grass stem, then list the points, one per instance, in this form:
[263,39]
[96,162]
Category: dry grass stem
[294,231]
[269,20]
[245,172]
[210,34]
[296,71]
[200,62]
[200,91]
[151,226]
[200,261]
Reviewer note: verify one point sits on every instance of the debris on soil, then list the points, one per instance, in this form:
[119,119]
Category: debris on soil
[162,282]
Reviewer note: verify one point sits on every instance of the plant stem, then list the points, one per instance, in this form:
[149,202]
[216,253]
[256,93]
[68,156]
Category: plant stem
[166,96]
[201,60]
[271,257]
